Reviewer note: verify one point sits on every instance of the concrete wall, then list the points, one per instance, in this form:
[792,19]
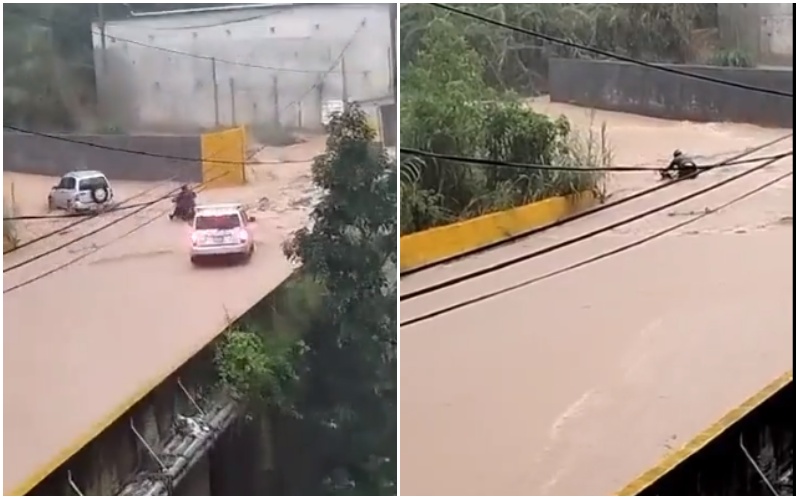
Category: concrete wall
[713,464]
[34,154]
[285,51]
[636,89]
[382,115]
[113,458]
[764,30]
[388,113]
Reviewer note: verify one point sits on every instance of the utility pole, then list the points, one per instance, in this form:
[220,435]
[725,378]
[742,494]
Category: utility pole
[393,30]
[101,21]
[344,83]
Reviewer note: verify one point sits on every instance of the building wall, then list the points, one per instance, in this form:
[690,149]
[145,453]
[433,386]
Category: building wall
[764,30]
[288,51]
[632,88]
[34,154]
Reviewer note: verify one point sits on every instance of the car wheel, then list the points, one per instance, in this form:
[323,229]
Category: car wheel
[50,205]
[195,260]
[100,195]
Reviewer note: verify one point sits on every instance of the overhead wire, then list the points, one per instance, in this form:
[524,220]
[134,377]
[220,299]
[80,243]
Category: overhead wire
[612,55]
[556,168]
[586,213]
[74,215]
[145,153]
[96,247]
[249,161]
[584,236]
[333,66]
[41,255]
[51,22]
[596,258]
[82,220]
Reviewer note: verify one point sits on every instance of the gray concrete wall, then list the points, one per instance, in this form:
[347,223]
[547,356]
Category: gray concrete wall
[284,51]
[766,31]
[35,154]
[636,89]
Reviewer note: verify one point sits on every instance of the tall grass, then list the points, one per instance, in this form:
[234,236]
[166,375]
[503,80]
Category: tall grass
[10,237]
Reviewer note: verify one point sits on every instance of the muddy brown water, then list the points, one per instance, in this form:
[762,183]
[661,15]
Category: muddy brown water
[577,384]
[83,344]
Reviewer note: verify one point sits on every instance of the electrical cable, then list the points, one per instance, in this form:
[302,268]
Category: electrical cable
[97,230]
[118,208]
[145,153]
[50,23]
[82,220]
[557,168]
[598,257]
[586,213]
[196,160]
[587,235]
[611,55]
[325,74]
[97,247]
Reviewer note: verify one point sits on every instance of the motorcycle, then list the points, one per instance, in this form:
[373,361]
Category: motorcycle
[181,212]
[689,170]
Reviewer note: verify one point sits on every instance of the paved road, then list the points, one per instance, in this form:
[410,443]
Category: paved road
[84,344]
[577,384]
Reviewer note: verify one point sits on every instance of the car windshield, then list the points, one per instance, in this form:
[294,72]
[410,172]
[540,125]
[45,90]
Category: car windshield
[92,183]
[228,221]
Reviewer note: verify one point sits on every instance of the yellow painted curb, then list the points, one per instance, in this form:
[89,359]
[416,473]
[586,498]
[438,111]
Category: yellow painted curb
[675,458]
[439,243]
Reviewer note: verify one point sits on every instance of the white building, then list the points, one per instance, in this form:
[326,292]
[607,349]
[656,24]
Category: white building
[206,68]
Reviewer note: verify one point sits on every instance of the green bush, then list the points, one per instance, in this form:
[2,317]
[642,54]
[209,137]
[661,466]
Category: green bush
[446,107]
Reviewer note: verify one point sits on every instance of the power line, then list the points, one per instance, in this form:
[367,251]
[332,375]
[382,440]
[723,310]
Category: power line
[585,236]
[118,208]
[147,153]
[96,247]
[97,230]
[195,160]
[82,220]
[85,235]
[316,85]
[556,168]
[596,258]
[51,22]
[611,55]
[587,213]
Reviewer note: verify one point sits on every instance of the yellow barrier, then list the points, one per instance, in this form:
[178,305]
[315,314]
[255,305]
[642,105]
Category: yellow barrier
[224,157]
[672,460]
[434,245]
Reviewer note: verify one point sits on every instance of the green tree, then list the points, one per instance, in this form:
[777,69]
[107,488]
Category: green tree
[348,373]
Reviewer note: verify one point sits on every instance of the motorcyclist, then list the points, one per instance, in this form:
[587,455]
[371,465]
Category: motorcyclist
[681,167]
[184,201]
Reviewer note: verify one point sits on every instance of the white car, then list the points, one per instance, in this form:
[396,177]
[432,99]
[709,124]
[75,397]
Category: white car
[79,191]
[222,230]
